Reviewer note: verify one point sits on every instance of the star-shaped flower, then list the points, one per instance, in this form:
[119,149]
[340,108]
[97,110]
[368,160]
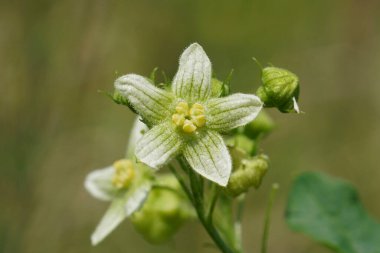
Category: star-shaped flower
[187,120]
[125,184]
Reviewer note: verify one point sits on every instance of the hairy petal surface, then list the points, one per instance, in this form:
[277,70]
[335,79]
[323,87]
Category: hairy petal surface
[120,208]
[229,112]
[193,79]
[99,184]
[208,156]
[158,145]
[152,103]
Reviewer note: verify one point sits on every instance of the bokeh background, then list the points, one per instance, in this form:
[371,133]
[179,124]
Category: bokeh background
[55,126]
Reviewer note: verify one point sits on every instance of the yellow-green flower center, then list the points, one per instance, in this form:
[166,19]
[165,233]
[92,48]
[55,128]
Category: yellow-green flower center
[124,173]
[189,119]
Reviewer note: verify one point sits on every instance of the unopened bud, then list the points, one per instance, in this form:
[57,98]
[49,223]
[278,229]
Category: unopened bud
[249,174]
[163,213]
[262,125]
[280,89]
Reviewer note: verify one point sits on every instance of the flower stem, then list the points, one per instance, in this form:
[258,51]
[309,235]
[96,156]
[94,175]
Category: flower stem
[196,198]
[272,197]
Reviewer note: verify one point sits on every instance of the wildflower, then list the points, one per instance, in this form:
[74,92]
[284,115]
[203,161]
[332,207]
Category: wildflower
[187,119]
[125,184]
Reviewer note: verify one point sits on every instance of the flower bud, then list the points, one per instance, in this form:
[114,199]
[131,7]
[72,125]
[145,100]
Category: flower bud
[280,89]
[262,125]
[163,213]
[250,173]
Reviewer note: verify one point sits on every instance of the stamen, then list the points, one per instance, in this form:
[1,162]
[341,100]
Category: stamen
[178,119]
[124,173]
[182,108]
[189,120]
[189,127]
[199,121]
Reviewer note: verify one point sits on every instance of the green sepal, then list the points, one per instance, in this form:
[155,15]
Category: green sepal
[216,88]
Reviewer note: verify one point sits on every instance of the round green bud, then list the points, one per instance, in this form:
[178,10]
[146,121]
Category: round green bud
[244,143]
[250,174]
[280,89]
[262,125]
[163,213]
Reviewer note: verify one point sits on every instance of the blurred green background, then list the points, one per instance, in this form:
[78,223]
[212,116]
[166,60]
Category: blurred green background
[55,126]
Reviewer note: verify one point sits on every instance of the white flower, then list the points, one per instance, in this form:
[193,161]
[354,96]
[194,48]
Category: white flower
[125,184]
[187,120]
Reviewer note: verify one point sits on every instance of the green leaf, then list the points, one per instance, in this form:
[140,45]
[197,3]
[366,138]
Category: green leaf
[329,211]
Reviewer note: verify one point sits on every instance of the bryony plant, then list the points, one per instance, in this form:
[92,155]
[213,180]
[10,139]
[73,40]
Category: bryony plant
[187,119]
[207,138]
[129,185]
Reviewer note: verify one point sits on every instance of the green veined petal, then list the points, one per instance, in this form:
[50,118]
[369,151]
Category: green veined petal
[152,103]
[158,145]
[193,79]
[99,184]
[208,155]
[121,207]
[229,112]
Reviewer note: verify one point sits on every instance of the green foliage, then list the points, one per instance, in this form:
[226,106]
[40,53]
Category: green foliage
[329,211]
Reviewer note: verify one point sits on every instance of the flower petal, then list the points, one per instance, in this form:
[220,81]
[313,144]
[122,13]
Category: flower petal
[120,208]
[152,103]
[229,112]
[137,132]
[158,145]
[99,184]
[112,218]
[137,197]
[208,155]
[193,79]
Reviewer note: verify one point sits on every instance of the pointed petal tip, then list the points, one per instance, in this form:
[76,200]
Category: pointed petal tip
[94,240]
[223,181]
[148,163]
[195,45]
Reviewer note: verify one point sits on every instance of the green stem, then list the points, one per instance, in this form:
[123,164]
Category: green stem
[239,217]
[272,197]
[197,201]
[182,183]
[214,199]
